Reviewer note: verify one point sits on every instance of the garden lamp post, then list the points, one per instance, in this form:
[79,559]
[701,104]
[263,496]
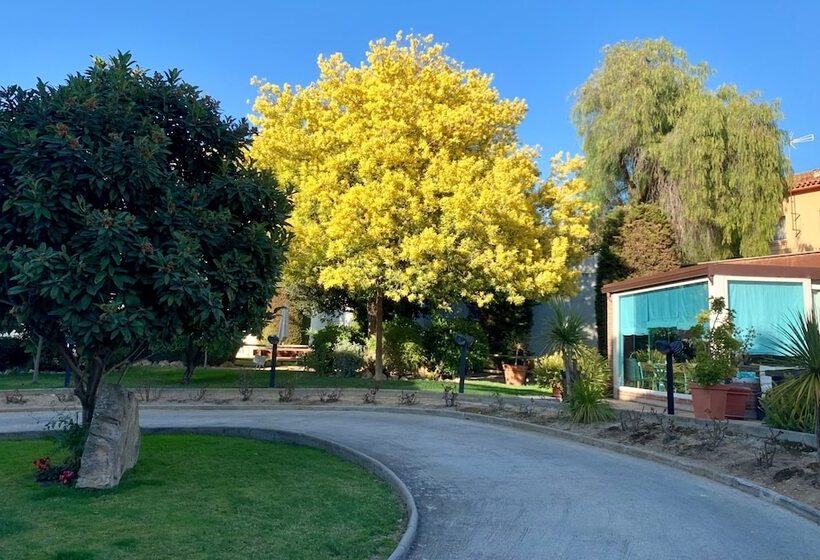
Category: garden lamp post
[274,341]
[669,349]
[464,341]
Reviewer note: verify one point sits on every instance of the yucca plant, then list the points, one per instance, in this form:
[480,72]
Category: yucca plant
[567,336]
[587,404]
[795,403]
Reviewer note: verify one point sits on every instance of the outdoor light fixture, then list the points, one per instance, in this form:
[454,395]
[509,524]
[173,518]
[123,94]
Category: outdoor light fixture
[464,341]
[670,349]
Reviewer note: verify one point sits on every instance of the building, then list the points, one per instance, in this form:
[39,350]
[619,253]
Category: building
[765,293]
[799,228]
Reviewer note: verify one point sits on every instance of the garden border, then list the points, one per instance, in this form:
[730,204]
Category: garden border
[368,463]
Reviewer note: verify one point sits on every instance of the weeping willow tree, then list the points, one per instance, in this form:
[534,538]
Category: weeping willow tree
[713,160]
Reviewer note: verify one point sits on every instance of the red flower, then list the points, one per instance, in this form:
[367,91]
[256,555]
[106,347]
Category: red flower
[67,477]
[42,464]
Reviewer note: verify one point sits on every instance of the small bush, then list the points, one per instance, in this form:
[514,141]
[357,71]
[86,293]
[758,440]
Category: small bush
[407,399]
[403,346]
[586,405]
[15,397]
[782,409]
[321,356]
[246,385]
[549,371]
[286,394]
[13,353]
[330,396]
[442,350]
[348,358]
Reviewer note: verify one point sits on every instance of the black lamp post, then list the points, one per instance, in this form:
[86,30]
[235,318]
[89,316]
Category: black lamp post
[464,341]
[670,349]
[274,341]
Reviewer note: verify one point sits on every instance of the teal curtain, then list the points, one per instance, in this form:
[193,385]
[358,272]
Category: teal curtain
[671,307]
[766,307]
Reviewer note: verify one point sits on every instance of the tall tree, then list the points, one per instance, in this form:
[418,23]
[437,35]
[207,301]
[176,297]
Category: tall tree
[129,217]
[714,161]
[412,184]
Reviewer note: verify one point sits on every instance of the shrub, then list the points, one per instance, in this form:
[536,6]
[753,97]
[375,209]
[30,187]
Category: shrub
[403,346]
[718,344]
[223,350]
[322,356]
[13,353]
[348,358]
[442,350]
[586,405]
[548,371]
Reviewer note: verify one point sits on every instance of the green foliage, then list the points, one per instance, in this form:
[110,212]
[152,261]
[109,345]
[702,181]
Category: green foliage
[348,358]
[586,404]
[794,404]
[13,353]
[439,342]
[129,216]
[403,346]
[548,371]
[717,344]
[323,350]
[634,240]
[714,161]
[505,323]
[69,438]
[567,336]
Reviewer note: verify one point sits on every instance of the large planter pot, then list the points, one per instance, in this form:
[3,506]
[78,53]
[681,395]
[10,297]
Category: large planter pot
[737,399]
[558,391]
[515,375]
[709,402]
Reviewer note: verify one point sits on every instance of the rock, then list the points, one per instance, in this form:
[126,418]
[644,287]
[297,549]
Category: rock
[113,443]
[163,363]
[176,363]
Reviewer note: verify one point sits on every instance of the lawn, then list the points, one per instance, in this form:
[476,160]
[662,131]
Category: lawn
[201,497]
[228,377]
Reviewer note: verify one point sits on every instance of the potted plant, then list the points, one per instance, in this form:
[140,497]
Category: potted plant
[548,372]
[717,347]
[516,373]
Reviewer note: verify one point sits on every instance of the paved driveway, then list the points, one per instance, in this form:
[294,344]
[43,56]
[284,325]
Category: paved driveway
[487,492]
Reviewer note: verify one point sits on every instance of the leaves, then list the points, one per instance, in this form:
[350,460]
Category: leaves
[129,215]
[409,178]
[714,161]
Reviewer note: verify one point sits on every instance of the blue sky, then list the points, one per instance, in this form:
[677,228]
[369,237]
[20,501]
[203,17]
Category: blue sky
[539,51]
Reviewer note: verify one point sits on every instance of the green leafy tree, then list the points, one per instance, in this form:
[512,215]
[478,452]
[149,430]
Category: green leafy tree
[714,161]
[129,217]
[635,240]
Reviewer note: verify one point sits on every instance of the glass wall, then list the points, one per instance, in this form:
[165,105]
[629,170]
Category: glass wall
[645,317]
[765,307]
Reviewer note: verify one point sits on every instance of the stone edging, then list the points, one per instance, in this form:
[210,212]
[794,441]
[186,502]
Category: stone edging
[371,465]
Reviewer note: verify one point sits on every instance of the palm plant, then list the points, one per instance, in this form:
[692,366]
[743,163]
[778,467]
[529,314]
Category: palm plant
[567,337]
[795,403]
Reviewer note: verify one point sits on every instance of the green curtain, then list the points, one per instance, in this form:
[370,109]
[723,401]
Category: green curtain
[670,307]
[765,307]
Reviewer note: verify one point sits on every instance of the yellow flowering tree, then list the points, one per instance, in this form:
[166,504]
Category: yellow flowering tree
[410,182]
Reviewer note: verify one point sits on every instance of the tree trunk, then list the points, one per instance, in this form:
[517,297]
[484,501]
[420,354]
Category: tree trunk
[375,309]
[568,367]
[191,357]
[86,391]
[35,377]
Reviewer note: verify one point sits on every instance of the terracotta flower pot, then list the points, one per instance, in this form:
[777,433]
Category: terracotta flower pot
[514,374]
[709,402]
[558,391]
[736,401]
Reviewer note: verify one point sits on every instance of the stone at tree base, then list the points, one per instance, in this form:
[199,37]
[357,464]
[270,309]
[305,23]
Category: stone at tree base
[113,440]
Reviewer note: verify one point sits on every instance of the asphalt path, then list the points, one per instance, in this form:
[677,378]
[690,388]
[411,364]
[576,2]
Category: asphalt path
[492,492]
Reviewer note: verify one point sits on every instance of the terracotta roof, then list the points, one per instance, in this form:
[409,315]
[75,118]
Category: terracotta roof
[807,181]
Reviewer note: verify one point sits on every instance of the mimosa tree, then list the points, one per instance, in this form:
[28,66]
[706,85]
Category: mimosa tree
[410,182]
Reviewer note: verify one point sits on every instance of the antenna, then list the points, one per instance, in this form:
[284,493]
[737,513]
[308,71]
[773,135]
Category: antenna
[799,140]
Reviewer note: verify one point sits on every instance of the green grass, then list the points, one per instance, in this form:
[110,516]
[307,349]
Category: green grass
[226,377]
[200,497]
